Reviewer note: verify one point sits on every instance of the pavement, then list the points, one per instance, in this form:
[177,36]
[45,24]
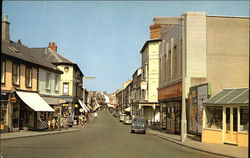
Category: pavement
[194,143]
[22,134]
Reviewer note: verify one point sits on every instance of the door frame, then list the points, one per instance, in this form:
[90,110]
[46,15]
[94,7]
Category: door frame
[231,124]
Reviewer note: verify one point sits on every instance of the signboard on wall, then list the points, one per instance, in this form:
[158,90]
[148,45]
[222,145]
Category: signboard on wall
[197,95]
[170,91]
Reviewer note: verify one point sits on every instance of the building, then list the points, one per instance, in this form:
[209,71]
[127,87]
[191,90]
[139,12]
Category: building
[19,86]
[71,80]
[203,52]
[136,92]
[226,117]
[149,106]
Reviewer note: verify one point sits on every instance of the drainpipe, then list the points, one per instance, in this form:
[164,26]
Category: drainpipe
[183,111]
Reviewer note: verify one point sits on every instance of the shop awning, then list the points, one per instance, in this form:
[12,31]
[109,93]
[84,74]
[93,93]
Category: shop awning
[229,97]
[51,100]
[89,107]
[34,101]
[127,109]
[83,106]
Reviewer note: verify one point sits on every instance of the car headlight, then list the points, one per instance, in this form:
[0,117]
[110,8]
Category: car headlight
[143,125]
[133,124]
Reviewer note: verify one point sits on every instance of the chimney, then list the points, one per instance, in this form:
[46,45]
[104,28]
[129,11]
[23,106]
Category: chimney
[19,42]
[5,28]
[155,31]
[53,46]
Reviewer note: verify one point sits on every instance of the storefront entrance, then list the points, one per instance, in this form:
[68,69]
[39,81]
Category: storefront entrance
[231,125]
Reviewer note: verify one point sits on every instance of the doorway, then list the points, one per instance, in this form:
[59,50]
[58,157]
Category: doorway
[230,125]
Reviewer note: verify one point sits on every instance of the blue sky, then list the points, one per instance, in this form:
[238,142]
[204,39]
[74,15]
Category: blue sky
[103,38]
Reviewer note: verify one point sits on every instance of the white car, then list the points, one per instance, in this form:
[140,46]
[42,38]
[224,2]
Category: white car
[122,116]
[127,120]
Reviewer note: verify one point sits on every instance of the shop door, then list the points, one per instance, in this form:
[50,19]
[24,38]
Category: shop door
[231,125]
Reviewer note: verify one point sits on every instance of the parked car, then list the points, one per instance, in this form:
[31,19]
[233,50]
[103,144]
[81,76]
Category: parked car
[127,120]
[138,125]
[116,114]
[122,116]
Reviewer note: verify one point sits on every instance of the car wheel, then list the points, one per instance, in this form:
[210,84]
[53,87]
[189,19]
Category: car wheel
[132,131]
[144,132]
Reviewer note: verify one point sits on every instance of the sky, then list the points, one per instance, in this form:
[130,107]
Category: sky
[103,37]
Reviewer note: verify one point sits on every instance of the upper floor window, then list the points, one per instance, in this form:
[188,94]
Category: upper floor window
[48,81]
[28,77]
[66,88]
[3,72]
[56,82]
[16,74]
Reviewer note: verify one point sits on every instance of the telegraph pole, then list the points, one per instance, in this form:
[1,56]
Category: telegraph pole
[183,110]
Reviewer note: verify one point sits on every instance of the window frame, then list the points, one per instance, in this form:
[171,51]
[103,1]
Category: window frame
[56,88]
[48,81]
[17,83]
[28,68]
[65,83]
[3,71]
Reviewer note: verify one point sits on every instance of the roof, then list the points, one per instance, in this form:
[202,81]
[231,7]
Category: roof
[229,97]
[54,57]
[149,41]
[51,55]
[21,52]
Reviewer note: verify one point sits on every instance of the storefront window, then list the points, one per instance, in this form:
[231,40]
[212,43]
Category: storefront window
[244,119]
[214,117]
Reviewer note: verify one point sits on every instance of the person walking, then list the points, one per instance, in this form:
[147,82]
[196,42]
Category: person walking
[95,114]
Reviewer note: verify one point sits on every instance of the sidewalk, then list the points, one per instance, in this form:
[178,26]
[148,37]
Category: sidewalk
[217,149]
[21,134]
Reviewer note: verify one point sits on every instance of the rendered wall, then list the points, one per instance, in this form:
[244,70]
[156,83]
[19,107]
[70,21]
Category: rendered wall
[212,136]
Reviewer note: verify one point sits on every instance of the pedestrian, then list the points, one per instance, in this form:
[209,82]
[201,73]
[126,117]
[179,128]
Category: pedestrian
[53,123]
[59,123]
[65,122]
[95,114]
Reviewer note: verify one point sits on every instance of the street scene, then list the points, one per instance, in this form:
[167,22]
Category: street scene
[124,79]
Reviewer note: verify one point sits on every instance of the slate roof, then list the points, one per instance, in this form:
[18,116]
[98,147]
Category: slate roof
[53,57]
[230,97]
[21,52]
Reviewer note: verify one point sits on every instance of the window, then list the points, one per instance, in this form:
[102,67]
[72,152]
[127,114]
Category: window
[244,119]
[214,117]
[66,88]
[28,76]
[66,69]
[16,74]
[48,81]
[3,72]
[56,82]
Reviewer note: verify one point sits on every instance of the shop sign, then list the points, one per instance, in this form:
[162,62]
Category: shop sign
[76,105]
[170,92]
[197,95]
[13,99]
[81,110]
[65,104]
[61,101]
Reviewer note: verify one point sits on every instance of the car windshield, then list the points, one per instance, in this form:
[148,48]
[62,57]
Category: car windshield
[139,120]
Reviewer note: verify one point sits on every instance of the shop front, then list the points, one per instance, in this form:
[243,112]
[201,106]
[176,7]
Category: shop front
[225,117]
[170,105]
[33,112]
[4,111]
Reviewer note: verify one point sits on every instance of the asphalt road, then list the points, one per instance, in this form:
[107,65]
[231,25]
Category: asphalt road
[104,137]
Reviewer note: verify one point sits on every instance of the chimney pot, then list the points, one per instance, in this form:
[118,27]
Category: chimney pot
[53,46]
[5,18]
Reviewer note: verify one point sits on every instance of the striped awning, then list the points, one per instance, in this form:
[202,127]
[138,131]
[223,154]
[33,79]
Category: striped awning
[229,97]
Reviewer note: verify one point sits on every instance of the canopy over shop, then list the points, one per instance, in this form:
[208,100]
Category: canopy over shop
[225,117]
[36,119]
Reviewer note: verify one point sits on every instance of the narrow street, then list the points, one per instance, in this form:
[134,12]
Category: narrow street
[104,137]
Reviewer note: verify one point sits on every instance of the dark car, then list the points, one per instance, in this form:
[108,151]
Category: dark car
[138,125]
[116,114]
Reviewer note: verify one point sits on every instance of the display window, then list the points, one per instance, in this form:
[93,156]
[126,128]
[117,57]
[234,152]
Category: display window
[244,120]
[213,117]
